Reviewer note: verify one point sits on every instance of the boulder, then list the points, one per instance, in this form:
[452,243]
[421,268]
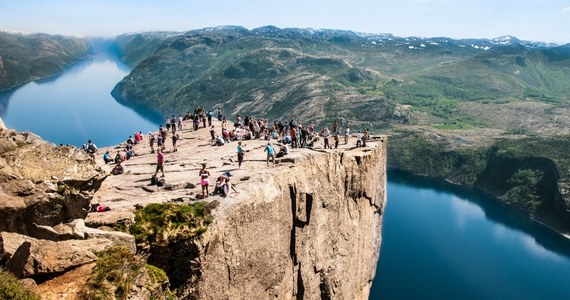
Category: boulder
[28,257]
[44,188]
[116,237]
[110,218]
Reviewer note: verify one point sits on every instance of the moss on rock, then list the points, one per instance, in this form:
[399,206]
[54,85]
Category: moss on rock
[119,273]
[159,224]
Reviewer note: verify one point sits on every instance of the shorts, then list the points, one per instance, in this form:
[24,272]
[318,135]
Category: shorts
[204,181]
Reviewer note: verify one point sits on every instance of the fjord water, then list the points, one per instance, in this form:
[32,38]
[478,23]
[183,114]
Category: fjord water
[77,105]
[440,242]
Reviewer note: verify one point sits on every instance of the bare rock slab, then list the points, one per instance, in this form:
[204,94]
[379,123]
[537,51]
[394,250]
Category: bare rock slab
[26,256]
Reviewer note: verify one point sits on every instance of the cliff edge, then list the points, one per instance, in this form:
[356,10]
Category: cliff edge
[308,228]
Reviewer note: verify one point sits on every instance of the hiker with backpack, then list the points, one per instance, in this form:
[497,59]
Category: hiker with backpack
[91,149]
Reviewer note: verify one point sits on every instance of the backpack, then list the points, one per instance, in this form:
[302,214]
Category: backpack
[92,148]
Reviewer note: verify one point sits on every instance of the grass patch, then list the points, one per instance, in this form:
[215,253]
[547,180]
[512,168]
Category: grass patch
[114,275]
[10,288]
[159,224]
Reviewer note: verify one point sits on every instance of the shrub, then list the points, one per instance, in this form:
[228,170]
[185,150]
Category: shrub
[159,224]
[10,288]
[114,276]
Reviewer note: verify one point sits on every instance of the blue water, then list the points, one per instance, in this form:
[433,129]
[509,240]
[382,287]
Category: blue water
[442,243]
[77,105]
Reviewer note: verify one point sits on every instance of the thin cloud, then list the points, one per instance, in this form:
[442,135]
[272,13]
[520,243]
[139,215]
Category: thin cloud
[566,9]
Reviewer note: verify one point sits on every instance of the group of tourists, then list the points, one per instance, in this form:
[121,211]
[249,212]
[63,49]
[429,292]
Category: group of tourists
[291,134]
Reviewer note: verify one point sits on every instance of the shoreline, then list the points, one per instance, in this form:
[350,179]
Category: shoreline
[543,221]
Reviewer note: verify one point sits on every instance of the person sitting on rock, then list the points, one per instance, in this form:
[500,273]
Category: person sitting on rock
[219,141]
[287,139]
[129,153]
[107,157]
[284,150]
[220,184]
[224,185]
[118,169]
[119,157]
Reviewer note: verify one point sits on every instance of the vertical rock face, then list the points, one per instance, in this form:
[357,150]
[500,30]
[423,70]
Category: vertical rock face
[312,231]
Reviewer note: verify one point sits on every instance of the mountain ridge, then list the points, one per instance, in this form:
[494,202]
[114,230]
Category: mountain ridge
[200,66]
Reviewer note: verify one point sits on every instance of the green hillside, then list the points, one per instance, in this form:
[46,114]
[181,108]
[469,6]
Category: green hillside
[327,74]
[270,76]
[29,57]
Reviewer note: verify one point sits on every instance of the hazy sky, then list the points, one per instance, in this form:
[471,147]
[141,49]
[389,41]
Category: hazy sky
[539,20]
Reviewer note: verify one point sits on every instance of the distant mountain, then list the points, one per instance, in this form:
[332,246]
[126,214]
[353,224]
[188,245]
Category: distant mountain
[26,57]
[264,71]
[323,74]
[133,48]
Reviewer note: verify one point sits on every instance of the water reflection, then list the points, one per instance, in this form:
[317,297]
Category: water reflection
[469,204]
[443,242]
[4,102]
[77,105]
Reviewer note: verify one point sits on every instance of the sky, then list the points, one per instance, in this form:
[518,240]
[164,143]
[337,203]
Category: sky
[535,20]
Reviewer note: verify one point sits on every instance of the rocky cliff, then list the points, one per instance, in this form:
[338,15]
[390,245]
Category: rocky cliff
[308,228]
[307,232]
[45,192]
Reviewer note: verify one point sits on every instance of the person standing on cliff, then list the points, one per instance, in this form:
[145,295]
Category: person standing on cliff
[175,138]
[365,137]
[270,153]
[91,149]
[159,162]
[151,140]
[204,180]
[326,133]
[209,115]
[240,154]
[219,112]
[346,134]
[180,122]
